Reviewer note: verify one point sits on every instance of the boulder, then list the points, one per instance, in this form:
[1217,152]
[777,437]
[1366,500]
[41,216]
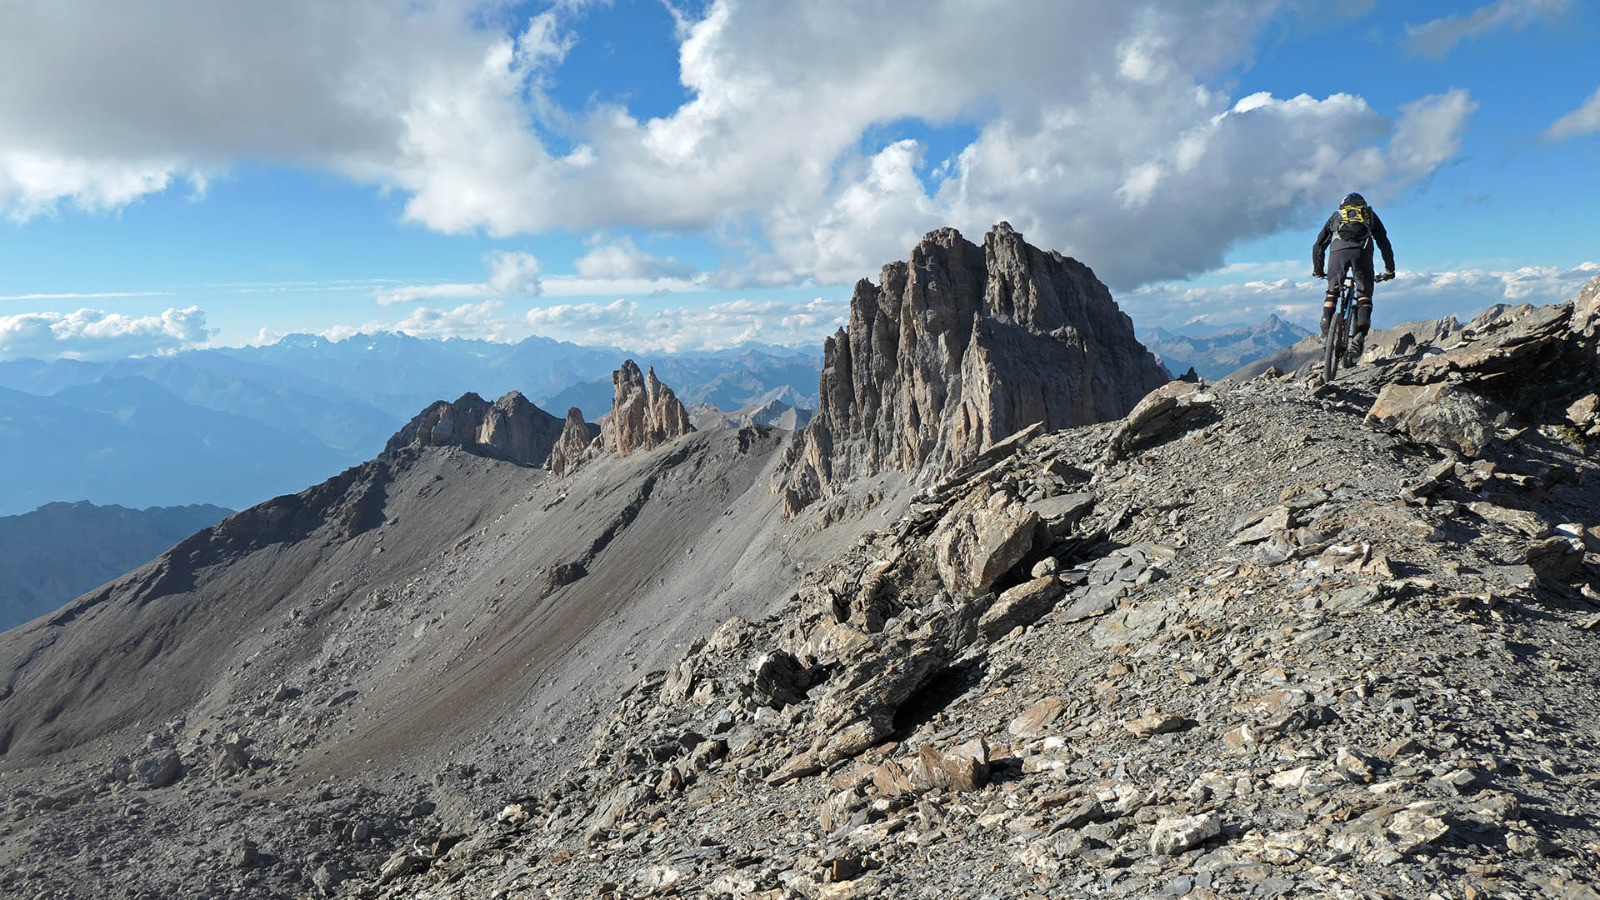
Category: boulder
[1034,720]
[963,769]
[1164,413]
[400,865]
[856,708]
[1556,558]
[778,679]
[1584,411]
[1439,414]
[981,540]
[1175,835]
[158,770]
[1021,605]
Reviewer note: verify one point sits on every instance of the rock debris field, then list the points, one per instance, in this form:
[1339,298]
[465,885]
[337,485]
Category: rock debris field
[1242,644]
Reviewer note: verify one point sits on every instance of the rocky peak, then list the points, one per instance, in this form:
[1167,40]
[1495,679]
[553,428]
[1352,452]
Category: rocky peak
[511,428]
[575,446]
[959,347]
[644,412]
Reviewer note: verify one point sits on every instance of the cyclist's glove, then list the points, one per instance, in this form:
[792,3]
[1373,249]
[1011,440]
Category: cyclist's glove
[1388,274]
[1318,275]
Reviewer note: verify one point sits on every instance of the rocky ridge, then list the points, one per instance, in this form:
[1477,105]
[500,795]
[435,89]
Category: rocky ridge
[1243,643]
[960,347]
[773,414]
[511,428]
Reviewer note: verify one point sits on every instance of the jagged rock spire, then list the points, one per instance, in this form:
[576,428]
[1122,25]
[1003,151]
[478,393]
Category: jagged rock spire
[575,446]
[958,348]
[644,412]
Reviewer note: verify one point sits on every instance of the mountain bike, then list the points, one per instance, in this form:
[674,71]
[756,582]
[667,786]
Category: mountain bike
[1337,342]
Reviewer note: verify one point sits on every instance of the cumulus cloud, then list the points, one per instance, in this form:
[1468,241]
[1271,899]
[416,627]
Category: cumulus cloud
[1583,120]
[1438,37]
[1414,295]
[98,334]
[508,274]
[102,102]
[1101,135]
[627,323]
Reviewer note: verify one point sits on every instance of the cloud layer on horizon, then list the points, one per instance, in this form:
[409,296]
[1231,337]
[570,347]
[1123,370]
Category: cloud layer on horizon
[99,334]
[1281,289]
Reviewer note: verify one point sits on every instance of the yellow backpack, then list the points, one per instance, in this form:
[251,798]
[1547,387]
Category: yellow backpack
[1355,224]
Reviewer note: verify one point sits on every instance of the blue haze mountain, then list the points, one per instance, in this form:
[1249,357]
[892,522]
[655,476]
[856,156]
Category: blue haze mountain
[155,431]
[60,550]
[1215,355]
[127,441]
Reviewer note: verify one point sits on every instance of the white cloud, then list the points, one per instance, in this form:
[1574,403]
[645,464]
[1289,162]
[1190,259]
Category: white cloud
[98,334]
[1438,37]
[92,295]
[1583,120]
[469,320]
[1415,295]
[617,268]
[103,101]
[1101,135]
[509,275]
[621,259]
[629,324]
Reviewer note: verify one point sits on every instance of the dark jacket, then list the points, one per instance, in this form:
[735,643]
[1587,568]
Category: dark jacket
[1327,237]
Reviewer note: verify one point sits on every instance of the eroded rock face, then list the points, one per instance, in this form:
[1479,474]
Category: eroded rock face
[1540,365]
[575,446]
[644,412]
[959,347]
[511,428]
[515,429]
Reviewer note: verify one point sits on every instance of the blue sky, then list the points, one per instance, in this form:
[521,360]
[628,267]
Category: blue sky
[686,176]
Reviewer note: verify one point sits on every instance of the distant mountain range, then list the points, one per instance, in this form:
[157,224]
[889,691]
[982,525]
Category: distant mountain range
[1215,354]
[237,426]
[57,552]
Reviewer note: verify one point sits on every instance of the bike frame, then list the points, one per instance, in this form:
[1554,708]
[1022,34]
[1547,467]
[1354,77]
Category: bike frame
[1343,325]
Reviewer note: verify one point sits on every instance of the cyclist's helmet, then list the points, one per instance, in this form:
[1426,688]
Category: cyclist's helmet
[1354,200]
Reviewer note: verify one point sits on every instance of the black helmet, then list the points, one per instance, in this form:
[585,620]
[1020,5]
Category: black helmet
[1354,200]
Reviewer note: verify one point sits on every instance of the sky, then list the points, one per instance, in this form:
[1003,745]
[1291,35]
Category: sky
[680,175]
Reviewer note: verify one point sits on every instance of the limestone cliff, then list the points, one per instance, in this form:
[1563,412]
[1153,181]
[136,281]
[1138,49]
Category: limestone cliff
[959,347]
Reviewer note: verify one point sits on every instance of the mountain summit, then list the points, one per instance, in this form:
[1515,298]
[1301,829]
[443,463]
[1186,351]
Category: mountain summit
[958,348]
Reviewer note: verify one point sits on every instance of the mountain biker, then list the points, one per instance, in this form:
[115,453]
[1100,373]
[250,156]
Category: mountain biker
[1351,232]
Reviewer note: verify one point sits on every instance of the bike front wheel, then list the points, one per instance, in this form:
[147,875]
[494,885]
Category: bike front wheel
[1333,349]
